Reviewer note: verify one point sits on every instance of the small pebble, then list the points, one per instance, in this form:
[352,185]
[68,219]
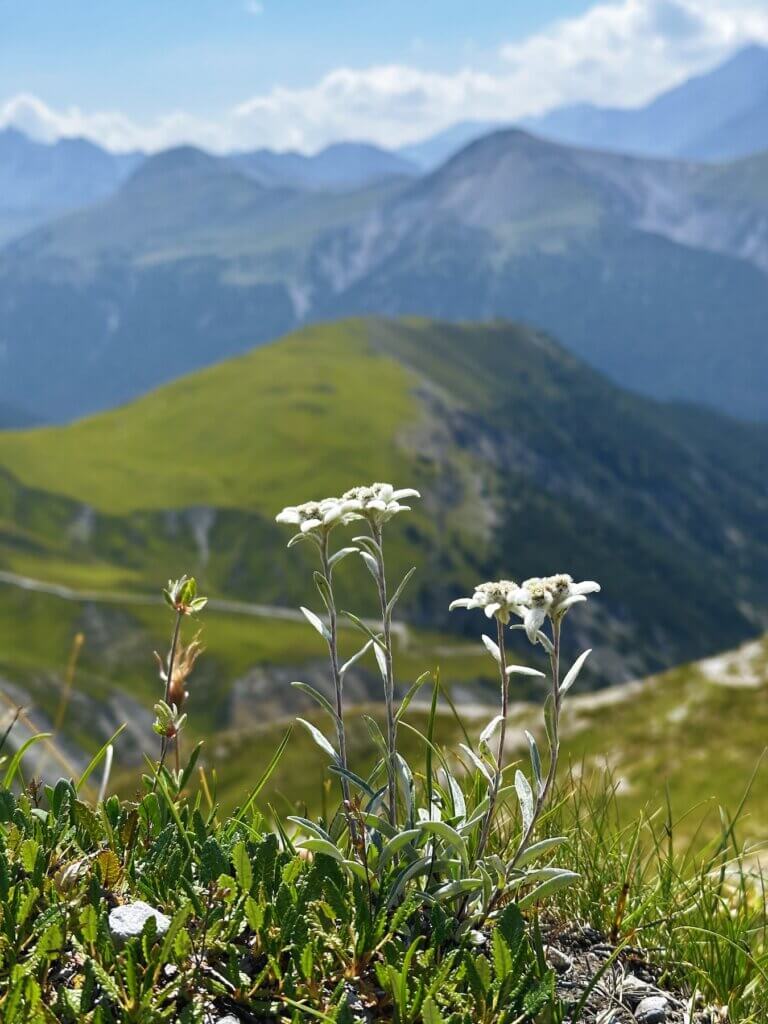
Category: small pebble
[127,921]
[651,1010]
[633,990]
[559,960]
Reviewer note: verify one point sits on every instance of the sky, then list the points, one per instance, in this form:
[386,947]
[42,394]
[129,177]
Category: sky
[238,74]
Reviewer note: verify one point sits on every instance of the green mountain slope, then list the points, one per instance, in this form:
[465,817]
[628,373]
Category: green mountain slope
[529,462]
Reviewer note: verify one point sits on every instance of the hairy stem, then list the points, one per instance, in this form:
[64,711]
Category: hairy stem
[494,793]
[389,679]
[541,799]
[169,677]
[338,681]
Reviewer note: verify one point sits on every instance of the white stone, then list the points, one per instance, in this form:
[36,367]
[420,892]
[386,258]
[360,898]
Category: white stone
[127,921]
[651,1010]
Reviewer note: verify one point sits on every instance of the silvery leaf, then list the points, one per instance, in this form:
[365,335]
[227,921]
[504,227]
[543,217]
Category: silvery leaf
[493,648]
[573,673]
[381,661]
[539,850]
[477,762]
[319,739]
[316,622]
[535,761]
[547,888]
[371,564]
[489,730]
[339,555]
[525,796]
[355,657]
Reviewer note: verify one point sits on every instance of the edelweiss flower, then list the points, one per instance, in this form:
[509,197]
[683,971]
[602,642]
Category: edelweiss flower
[379,502]
[551,596]
[501,599]
[316,516]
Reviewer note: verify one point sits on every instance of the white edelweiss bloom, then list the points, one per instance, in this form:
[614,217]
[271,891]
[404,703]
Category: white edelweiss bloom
[312,516]
[536,602]
[500,598]
[566,593]
[550,596]
[379,502]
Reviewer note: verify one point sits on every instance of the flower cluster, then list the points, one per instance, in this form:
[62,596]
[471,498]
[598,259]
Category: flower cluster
[500,599]
[377,503]
[532,601]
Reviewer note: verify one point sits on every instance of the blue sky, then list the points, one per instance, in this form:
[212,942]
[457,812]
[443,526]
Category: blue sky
[231,73]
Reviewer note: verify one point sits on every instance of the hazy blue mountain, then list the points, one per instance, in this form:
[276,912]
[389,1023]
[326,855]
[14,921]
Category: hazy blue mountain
[746,132]
[437,148]
[39,181]
[342,165]
[14,418]
[652,271]
[720,114]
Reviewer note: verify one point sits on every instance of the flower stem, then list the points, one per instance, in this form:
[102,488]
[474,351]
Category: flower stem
[338,681]
[541,799]
[389,676]
[494,793]
[169,677]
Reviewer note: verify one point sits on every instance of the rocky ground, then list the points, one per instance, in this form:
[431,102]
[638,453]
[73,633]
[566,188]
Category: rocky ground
[615,985]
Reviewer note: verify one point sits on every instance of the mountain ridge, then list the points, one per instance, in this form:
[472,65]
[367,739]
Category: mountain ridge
[528,460]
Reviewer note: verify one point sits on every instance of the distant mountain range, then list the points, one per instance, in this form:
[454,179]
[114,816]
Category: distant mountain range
[652,271]
[528,461]
[720,115]
[342,165]
[39,181]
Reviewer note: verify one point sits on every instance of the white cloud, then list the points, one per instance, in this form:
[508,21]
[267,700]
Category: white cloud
[254,7]
[621,52]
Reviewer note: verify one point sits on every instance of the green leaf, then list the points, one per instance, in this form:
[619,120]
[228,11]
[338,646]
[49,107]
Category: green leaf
[395,844]
[535,762]
[13,767]
[457,888]
[430,1014]
[318,697]
[355,658]
[552,885]
[324,846]
[242,864]
[397,594]
[359,624]
[539,850]
[376,735]
[337,556]
[319,739]
[477,762]
[412,691]
[97,759]
[448,835]
[265,777]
